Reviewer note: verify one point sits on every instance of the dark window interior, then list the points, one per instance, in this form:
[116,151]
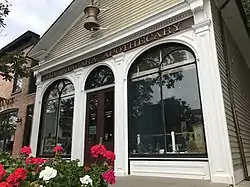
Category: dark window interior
[32,83]
[165,115]
[7,130]
[28,125]
[57,118]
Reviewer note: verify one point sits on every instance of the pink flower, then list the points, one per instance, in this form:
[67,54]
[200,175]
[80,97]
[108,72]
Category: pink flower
[21,173]
[109,176]
[14,179]
[97,150]
[36,161]
[58,148]
[4,184]
[110,156]
[2,171]
[26,150]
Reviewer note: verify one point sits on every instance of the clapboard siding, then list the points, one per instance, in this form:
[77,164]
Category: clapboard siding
[120,14]
[237,162]
[240,79]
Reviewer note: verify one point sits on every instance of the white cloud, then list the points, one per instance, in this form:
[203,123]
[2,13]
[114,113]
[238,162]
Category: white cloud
[34,15]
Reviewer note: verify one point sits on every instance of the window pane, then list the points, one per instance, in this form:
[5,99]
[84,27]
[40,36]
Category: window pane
[100,76]
[18,84]
[32,83]
[28,125]
[68,90]
[183,115]
[49,125]
[57,118]
[53,94]
[65,124]
[176,57]
[146,127]
[109,117]
[7,130]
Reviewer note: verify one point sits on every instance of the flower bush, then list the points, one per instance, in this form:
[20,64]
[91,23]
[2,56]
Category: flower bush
[28,171]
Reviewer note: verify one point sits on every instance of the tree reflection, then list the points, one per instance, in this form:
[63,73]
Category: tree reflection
[7,130]
[156,104]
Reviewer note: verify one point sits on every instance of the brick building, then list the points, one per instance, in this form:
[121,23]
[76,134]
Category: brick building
[17,100]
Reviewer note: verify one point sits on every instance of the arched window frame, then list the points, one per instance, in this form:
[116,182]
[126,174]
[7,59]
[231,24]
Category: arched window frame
[92,79]
[160,69]
[46,99]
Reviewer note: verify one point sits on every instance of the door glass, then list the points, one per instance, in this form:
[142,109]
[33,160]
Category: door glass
[108,135]
[93,102]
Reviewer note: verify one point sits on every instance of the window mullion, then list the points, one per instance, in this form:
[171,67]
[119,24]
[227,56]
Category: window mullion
[162,106]
[58,120]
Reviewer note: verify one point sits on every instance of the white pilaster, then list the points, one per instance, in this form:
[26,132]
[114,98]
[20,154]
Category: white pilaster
[119,115]
[78,127]
[36,115]
[219,154]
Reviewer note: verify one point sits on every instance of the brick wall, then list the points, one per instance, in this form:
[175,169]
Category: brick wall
[21,100]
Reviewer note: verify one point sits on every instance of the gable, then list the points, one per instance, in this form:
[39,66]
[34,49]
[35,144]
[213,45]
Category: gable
[120,14]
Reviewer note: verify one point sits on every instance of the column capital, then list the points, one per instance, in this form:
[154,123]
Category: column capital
[39,82]
[195,4]
[78,72]
[119,58]
[202,27]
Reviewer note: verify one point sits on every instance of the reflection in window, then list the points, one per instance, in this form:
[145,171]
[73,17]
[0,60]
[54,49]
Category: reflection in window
[165,116]
[18,84]
[28,125]
[57,119]
[7,130]
[100,76]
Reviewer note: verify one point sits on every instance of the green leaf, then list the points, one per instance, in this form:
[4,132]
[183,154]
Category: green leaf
[25,184]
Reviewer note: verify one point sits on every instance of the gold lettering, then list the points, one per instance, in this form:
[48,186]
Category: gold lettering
[124,47]
[105,55]
[157,35]
[149,38]
[94,60]
[119,49]
[167,31]
[177,27]
[141,41]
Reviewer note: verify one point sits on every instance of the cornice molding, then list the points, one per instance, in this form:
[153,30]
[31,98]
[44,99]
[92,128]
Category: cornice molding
[201,27]
[195,5]
[162,29]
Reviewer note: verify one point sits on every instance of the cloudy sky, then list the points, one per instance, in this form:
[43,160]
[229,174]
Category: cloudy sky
[34,15]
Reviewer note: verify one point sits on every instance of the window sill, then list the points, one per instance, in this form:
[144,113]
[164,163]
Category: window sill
[169,156]
[31,94]
[15,93]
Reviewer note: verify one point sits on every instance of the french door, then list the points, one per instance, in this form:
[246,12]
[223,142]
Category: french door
[99,121]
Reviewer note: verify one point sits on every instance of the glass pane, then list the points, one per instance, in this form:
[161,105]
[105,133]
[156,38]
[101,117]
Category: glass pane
[176,57]
[28,125]
[54,94]
[58,89]
[48,139]
[7,130]
[92,119]
[147,61]
[64,131]
[109,117]
[69,89]
[100,76]
[183,115]
[145,123]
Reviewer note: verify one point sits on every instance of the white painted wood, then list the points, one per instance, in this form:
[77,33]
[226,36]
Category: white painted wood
[173,169]
[220,162]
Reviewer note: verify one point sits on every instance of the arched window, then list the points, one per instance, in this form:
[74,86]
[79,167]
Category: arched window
[100,76]
[165,116]
[57,118]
